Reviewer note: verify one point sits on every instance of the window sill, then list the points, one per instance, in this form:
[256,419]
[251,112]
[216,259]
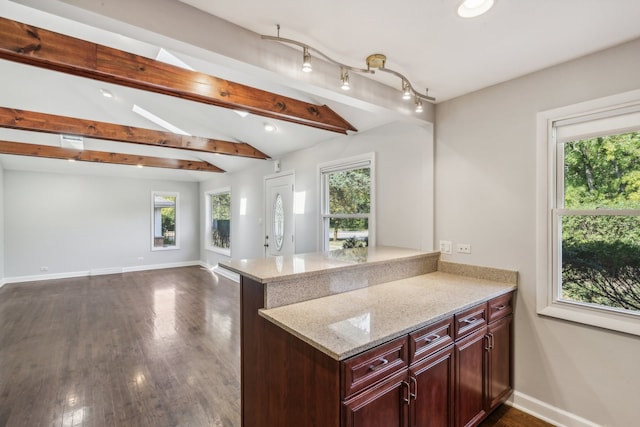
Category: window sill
[588,315]
[226,252]
[167,248]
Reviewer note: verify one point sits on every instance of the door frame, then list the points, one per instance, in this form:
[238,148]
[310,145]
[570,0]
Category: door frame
[265,224]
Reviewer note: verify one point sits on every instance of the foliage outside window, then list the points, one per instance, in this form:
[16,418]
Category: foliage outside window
[600,225]
[164,220]
[218,227]
[347,205]
[592,157]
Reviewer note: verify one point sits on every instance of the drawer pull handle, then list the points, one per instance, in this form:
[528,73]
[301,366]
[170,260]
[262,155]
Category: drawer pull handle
[501,307]
[431,338]
[469,320]
[382,361]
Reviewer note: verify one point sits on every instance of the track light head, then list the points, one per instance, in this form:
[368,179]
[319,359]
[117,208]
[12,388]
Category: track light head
[344,79]
[418,102]
[406,91]
[306,61]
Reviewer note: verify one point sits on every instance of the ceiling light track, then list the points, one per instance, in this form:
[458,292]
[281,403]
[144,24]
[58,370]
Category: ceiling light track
[375,61]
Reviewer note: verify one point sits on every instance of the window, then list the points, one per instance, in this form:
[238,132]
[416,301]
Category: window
[348,203]
[593,212]
[218,223]
[164,220]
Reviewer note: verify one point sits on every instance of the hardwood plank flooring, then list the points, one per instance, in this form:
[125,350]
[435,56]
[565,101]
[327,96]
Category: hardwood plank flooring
[507,416]
[154,348]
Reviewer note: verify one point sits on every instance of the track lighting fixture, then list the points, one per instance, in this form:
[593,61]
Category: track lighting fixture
[344,79]
[418,102]
[374,62]
[406,92]
[306,60]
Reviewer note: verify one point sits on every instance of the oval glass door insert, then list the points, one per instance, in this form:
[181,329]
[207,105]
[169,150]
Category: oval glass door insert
[278,221]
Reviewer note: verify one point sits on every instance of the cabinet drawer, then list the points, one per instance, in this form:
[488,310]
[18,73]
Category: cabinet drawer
[430,339]
[470,320]
[500,307]
[373,365]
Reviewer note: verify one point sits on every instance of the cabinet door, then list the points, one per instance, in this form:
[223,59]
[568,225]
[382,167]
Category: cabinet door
[500,379]
[432,381]
[383,405]
[470,373]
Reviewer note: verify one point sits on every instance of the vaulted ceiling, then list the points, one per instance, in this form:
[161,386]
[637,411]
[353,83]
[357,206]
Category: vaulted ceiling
[423,40]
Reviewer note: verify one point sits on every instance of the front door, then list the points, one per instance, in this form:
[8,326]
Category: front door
[278,226]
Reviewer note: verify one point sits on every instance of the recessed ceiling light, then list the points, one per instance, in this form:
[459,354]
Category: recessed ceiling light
[106,93]
[269,127]
[140,166]
[473,8]
[241,113]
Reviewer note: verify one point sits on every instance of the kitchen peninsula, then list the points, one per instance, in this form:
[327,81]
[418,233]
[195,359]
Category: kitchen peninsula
[377,336]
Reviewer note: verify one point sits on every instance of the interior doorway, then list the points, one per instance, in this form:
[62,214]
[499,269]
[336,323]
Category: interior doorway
[279,220]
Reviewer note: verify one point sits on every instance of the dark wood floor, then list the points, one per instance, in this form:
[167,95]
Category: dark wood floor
[155,348]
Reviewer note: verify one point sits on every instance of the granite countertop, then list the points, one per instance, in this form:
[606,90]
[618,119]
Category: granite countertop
[297,266]
[348,323]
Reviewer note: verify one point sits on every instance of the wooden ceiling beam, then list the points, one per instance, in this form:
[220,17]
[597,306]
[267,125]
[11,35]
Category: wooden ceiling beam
[54,51]
[51,152]
[50,123]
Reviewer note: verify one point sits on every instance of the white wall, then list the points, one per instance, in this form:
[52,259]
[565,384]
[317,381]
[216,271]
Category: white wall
[404,180]
[73,224]
[486,196]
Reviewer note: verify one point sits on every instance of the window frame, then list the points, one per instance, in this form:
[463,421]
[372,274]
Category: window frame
[207,222]
[549,171]
[175,194]
[356,162]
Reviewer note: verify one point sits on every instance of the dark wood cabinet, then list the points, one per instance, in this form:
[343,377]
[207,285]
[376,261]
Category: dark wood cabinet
[470,378]
[384,404]
[450,373]
[499,363]
[432,380]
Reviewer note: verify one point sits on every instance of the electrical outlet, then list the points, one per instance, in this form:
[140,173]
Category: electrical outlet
[463,248]
[445,246]
[44,268]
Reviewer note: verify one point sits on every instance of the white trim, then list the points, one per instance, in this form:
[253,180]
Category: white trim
[160,266]
[207,220]
[2,283]
[546,412]
[105,271]
[547,303]
[115,270]
[221,271]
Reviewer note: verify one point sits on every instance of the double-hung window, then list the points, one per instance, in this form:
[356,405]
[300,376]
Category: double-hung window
[218,221]
[593,217]
[164,220]
[348,203]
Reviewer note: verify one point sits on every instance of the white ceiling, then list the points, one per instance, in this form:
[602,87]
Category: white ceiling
[426,40]
[423,39]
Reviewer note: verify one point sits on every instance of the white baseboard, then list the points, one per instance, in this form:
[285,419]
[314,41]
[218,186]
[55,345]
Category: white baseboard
[96,272]
[104,271]
[160,266]
[51,276]
[231,275]
[2,282]
[544,411]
